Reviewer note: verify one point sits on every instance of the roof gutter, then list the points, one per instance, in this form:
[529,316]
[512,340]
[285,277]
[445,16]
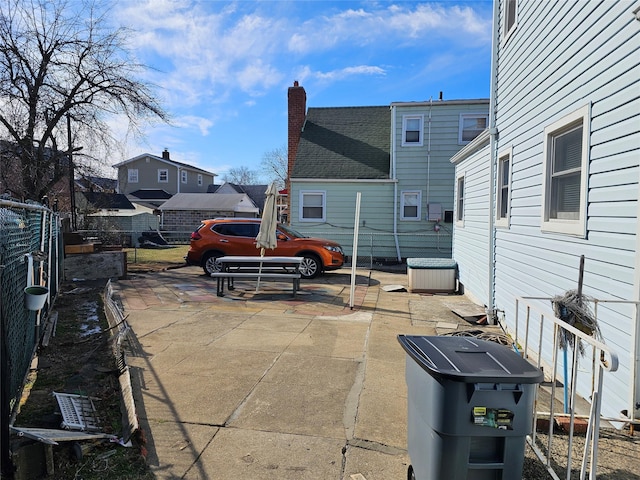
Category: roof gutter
[476,144]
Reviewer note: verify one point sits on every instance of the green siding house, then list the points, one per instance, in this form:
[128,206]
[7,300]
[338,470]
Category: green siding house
[396,156]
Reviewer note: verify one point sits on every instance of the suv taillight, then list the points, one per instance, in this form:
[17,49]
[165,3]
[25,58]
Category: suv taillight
[196,236]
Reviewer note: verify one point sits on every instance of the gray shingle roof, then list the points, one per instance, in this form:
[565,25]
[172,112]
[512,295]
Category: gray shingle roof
[151,194]
[117,201]
[209,201]
[255,192]
[344,143]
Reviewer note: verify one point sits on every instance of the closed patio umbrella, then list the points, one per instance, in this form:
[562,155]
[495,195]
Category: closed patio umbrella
[267,234]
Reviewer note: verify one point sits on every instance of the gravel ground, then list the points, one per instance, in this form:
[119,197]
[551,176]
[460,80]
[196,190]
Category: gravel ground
[618,456]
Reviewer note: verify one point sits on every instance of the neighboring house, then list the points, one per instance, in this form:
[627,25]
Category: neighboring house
[11,181]
[149,172]
[282,203]
[91,183]
[185,211]
[92,201]
[396,156]
[255,192]
[151,198]
[113,214]
[556,174]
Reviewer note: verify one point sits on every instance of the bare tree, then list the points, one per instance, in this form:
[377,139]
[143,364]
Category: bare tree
[63,68]
[274,165]
[241,176]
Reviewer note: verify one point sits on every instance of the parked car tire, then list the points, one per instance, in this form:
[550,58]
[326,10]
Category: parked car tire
[310,266]
[210,263]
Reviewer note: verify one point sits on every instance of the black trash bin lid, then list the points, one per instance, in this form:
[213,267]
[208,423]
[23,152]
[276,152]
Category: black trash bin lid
[469,360]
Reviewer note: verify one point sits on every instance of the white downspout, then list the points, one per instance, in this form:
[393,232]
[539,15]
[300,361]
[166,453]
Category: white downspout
[493,131]
[429,155]
[395,182]
[634,399]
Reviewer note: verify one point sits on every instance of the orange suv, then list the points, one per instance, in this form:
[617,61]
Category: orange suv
[237,236]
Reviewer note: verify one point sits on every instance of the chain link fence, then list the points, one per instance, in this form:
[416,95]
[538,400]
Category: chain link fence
[380,250]
[30,254]
[376,250]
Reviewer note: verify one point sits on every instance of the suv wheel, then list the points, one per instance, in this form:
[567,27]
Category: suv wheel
[310,266]
[210,263]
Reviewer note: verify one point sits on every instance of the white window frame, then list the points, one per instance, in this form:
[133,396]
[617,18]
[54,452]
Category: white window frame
[404,196]
[459,208]
[163,172]
[132,175]
[199,179]
[568,226]
[463,117]
[502,187]
[405,120]
[508,29]
[183,176]
[310,193]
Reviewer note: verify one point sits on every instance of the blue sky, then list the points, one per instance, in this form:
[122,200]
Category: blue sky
[223,68]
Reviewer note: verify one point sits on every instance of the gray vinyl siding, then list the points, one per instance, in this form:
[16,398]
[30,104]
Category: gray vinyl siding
[148,168]
[577,53]
[471,238]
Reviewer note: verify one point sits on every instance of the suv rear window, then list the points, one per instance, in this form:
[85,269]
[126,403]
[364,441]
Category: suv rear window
[237,229]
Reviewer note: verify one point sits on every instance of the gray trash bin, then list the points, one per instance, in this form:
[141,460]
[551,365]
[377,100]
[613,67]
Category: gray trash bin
[470,408]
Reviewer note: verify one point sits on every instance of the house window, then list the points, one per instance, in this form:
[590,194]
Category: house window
[183,176]
[312,206]
[504,185]
[412,130]
[410,205]
[566,154]
[199,179]
[460,201]
[510,8]
[471,125]
[163,175]
[132,175]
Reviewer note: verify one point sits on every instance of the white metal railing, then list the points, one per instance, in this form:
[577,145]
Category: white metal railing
[603,359]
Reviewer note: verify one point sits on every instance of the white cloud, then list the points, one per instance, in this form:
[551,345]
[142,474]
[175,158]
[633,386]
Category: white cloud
[343,73]
[210,49]
[391,26]
[256,79]
[215,58]
[203,125]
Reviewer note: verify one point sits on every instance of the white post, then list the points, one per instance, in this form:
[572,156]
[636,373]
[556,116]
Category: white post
[354,256]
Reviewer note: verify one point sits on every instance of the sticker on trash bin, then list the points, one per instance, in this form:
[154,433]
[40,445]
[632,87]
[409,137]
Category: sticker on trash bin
[493,417]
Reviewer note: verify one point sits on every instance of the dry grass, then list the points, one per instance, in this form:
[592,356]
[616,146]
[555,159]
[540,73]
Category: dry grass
[156,258]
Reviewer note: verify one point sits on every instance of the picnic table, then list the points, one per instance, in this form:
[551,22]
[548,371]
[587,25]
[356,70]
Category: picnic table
[256,267]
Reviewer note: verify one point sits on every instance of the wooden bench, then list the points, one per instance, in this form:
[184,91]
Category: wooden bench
[230,276]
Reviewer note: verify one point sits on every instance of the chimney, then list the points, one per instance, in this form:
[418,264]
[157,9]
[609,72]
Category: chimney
[165,154]
[297,112]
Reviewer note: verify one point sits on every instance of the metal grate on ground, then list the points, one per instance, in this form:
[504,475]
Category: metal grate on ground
[78,412]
